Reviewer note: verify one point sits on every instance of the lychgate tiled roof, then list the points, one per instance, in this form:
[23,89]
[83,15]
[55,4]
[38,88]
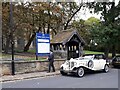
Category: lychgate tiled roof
[64,37]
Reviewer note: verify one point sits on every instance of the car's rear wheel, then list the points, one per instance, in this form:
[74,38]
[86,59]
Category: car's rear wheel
[106,68]
[80,72]
[63,73]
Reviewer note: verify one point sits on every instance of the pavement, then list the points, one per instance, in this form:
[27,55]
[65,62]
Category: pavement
[8,78]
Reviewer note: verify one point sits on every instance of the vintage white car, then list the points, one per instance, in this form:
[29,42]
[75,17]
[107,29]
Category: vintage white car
[80,65]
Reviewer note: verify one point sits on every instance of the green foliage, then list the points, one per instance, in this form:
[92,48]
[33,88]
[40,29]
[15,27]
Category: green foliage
[92,21]
[107,32]
[95,52]
[105,35]
[82,28]
[92,52]
[32,51]
[37,16]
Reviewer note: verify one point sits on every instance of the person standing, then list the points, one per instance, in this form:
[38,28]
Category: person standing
[51,61]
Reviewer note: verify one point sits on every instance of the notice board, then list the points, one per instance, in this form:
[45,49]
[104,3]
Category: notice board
[42,44]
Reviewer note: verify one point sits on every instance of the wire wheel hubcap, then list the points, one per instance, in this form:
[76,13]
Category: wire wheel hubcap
[106,68]
[81,72]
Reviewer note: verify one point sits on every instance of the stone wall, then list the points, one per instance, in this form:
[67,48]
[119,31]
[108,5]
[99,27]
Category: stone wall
[60,54]
[28,66]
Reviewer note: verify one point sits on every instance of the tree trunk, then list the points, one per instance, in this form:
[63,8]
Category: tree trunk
[7,45]
[48,29]
[26,48]
[8,39]
[113,51]
[66,25]
[49,17]
[104,12]
[106,52]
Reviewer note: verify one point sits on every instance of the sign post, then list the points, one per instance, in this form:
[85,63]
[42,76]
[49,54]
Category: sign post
[42,44]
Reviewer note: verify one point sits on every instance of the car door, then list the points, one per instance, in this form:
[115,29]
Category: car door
[97,62]
[102,61]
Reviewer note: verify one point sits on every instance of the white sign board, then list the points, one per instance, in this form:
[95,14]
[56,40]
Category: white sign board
[42,44]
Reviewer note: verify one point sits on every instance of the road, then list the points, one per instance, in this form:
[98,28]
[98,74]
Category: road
[91,80]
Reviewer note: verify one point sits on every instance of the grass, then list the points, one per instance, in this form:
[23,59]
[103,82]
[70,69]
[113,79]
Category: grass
[95,52]
[30,58]
[92,52]
[5,55]
[39,58]
[22,57]
[31,51]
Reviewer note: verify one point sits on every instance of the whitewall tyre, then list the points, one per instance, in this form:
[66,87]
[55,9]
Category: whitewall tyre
[80,72]
[106,68]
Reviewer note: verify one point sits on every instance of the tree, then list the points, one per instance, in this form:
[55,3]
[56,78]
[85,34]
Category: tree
[107,33]
[44,15]
[29,18]
[69,9]
[19,25]
[53,14]
[83,29]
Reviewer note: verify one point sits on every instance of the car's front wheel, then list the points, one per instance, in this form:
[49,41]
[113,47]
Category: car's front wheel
[80,72]
[106,68]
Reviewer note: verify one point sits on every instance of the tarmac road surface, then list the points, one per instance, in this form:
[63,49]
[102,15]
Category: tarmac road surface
[91,80]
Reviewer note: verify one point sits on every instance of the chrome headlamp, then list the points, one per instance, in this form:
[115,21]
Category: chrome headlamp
[67,62]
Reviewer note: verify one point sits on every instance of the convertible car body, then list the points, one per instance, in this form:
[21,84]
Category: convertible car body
[80,65]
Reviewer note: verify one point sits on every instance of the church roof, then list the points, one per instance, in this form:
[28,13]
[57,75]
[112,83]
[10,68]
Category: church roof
[65,36]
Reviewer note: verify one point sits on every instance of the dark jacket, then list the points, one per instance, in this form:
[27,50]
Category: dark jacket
[51,57]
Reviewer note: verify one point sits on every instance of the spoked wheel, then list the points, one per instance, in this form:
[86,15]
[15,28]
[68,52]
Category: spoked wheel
[80,72]
[106,68]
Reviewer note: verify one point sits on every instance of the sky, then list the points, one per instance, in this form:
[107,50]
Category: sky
[85,14]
